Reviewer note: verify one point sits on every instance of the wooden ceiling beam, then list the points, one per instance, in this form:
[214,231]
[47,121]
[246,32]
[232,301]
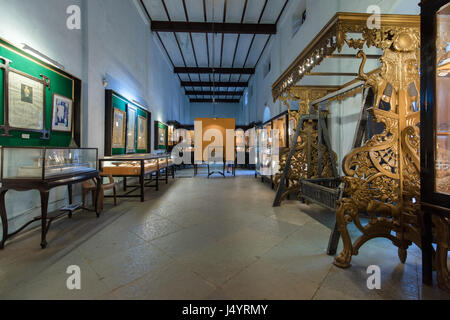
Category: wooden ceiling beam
[209,27]
[214,100]
[214,84]
[214,70]
[214,93]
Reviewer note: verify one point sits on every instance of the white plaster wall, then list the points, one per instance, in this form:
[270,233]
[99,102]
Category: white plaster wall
[42,25]
[219,110]
[122,50]
[114,43]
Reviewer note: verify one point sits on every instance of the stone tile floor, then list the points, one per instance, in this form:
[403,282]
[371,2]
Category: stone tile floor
[201,238]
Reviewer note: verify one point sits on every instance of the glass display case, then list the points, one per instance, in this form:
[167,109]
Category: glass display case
[134,165]
[292,127]
[241,141]
[266,167]
[442,99]
[266,150]
[435,141]
[46,163]
[258,144]
[148,168]
[280,124]
[435,119]
[42,169]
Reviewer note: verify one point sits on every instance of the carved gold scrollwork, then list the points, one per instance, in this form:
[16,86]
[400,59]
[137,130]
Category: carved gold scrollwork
[382,178]
[305,160]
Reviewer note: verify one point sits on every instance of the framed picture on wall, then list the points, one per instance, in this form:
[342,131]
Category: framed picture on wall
[131,130]
[160,136]
[142,133]
[62,113]
[118,129]
[26,102]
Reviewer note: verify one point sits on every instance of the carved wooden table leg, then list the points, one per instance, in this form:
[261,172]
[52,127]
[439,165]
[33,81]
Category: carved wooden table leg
[69,188]
[44,207]
[3,217]
[427,249]
[97,195]
[442,240]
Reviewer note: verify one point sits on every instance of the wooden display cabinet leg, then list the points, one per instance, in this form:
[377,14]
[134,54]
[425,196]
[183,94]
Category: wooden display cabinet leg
[427,250]
[93,197]
[333,241]
[124,183]
[167,174]
[97,195]
[142,183]
[3,217]
[69,189]
[44,207]
[157,180]
[115,195]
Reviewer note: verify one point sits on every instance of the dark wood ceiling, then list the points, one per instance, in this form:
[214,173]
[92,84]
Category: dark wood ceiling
[214,46]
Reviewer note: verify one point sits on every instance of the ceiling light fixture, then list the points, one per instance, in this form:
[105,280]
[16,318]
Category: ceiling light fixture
[41,56]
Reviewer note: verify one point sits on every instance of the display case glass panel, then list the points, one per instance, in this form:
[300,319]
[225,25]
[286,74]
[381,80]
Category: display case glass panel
[258,150]
[442,98]
[240,140]
[46,163]
[130,165]
[265,151]
[280,125]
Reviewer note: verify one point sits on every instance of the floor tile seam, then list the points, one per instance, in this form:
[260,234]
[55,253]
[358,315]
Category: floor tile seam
[320,284]
[159,268]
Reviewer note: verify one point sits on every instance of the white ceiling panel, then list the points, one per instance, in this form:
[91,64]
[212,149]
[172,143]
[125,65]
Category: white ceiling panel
[172,47]
[156,9]
[235,8]
[186,47]
[184,77]
[195,10]
[254,9]
[229,44]
[255,52]
[272,11]
[244,44]
[200,47]
[204,77]
[176,10]
[215,43]
[214,10]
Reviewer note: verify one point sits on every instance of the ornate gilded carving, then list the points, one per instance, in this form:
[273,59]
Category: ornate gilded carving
[382,178]
[305,160]
[340,31]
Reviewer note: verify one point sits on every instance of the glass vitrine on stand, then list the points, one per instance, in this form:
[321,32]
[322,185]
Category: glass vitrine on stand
[435,142]
[42,169]
[147,168]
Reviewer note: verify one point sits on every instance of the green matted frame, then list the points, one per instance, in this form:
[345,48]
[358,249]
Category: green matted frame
[114,100]
[59,82]
[159,125]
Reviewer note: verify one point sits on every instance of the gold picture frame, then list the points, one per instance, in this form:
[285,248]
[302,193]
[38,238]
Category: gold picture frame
[131,130]
[142,130]
[118,129]
[26,102]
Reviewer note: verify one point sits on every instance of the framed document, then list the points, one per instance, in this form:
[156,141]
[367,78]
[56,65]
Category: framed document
[131,130]
[142,133]
[118,129]
[25,102]
[62,114]
[160,136]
